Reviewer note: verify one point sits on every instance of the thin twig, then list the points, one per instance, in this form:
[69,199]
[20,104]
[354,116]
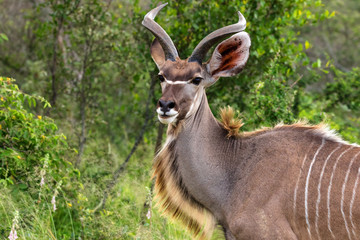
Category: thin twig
[148,115]
[294,83]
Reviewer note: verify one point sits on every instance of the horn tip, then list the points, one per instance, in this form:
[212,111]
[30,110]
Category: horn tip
[152,13]
[242,19]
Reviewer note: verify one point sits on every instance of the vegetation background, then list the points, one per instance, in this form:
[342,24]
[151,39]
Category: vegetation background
[81,168]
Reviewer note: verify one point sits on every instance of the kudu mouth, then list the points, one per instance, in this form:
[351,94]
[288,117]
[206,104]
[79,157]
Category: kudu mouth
[168,116]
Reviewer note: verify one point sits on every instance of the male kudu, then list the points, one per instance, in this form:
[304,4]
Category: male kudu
[288,182]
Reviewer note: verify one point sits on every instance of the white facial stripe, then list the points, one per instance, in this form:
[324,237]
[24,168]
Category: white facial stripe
[319,188]
[177,82]
[343,191]
[307,186]
[329,189]
[172,112]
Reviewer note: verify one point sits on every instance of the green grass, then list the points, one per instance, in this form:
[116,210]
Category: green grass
[74,218]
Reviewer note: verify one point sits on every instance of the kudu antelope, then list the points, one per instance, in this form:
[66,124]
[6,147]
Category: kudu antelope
[288,182]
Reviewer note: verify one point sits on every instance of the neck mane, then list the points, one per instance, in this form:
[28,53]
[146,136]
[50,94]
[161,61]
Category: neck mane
[171,194]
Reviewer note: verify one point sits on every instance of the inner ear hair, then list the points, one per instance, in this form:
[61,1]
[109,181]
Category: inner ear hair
[230,56]
[157,53]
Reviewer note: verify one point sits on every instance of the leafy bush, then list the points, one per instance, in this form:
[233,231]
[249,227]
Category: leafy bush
[28,142]
[33,155]
[345,89]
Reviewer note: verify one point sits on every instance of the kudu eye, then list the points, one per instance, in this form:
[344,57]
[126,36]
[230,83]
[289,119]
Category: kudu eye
[196,80]
[161,78]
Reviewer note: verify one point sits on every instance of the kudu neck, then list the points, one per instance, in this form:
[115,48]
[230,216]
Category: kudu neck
[196,148]
[200,123]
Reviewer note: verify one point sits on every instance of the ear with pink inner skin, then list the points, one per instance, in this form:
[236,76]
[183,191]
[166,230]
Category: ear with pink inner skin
[230,56]
[157,53]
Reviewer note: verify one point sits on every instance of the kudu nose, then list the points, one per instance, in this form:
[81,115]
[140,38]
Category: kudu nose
[166,105]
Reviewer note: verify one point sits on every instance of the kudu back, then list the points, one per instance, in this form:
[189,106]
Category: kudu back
[287,182]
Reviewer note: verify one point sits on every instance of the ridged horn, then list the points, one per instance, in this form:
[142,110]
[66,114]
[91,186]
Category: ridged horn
[203,47]
[164,39]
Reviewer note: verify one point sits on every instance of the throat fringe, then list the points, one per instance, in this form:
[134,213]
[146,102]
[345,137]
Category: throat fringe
[173,198]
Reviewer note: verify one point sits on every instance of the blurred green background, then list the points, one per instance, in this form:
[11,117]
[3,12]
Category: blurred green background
[90,154]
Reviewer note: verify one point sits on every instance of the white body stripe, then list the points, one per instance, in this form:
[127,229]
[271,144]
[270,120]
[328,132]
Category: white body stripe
[319,192]
[307,187]
[352,201]
[342,194]
[298,180]
[329,189]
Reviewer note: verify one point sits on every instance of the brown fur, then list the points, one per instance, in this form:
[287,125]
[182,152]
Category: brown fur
[172,196]
[230,122]
[180,70]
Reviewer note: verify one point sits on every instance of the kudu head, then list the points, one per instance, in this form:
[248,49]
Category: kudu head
[183,81]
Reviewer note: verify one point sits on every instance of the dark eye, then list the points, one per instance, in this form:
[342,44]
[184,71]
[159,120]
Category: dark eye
[197,80]
[161,78]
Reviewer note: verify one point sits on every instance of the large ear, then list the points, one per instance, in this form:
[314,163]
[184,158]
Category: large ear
[230,56]
[157,53]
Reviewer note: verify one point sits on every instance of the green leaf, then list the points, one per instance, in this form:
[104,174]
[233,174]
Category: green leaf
[4,37]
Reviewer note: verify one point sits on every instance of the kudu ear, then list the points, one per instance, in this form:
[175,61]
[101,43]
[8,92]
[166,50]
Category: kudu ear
[157,53]
[230,56]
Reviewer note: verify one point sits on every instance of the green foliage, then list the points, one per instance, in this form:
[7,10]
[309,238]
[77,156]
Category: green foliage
[343,103]
[27,140]
[338,104]
[91,60]
[3,38]
[32,153]
[344,90]
[339,35]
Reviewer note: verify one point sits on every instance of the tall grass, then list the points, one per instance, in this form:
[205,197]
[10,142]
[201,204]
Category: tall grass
[122,218]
